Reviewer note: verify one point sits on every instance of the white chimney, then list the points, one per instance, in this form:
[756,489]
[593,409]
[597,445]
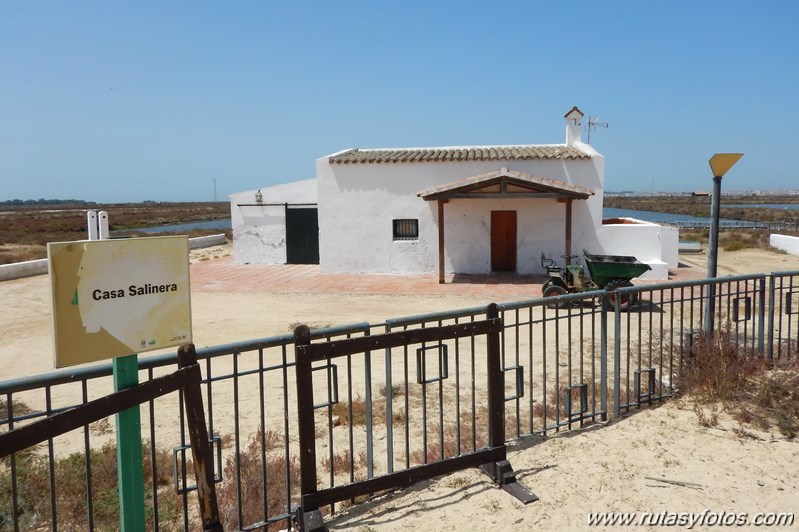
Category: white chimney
[573,125]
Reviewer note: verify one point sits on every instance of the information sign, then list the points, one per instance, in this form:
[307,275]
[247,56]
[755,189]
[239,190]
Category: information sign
[118,297]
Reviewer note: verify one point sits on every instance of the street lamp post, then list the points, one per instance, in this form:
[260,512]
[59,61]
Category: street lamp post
[719,163]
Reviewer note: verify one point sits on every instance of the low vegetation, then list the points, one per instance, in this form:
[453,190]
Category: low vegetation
[33,496]
[699,206]
[723,376]
[732,240]
[261,486]
[25,230]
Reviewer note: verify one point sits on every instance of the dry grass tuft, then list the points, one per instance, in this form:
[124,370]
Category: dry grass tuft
[753,390]
[258,493]
[33,496]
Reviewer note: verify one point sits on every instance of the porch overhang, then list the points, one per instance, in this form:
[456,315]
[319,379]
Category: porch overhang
[506,184]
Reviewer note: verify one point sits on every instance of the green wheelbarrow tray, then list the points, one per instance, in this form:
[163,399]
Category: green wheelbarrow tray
[606,268]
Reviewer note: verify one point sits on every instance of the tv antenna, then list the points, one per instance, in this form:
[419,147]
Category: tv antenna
[593,123]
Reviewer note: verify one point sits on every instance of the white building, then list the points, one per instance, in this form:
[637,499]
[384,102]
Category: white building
[264,219]
[475,209]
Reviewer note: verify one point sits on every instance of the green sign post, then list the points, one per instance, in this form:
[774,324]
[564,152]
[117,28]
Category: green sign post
[115,299]
[129,449]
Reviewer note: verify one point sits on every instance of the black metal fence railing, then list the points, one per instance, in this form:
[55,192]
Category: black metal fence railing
[434,345]
[187,379]
[565,362]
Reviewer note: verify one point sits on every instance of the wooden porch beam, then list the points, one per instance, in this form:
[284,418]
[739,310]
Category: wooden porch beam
[441,241]
[568,230]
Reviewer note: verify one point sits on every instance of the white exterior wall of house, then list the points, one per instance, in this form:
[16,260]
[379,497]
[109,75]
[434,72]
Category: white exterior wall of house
[259,231]
[656,245]
[360,200]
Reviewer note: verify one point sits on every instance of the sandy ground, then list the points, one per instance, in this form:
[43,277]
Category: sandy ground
[613,467]
[744,261]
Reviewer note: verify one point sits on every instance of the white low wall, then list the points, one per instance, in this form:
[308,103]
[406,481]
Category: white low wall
[30,268]
[23,269]
[207,241]
[788,244]
[653,244]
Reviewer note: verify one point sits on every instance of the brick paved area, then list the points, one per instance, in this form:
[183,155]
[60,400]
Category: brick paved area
[222,275]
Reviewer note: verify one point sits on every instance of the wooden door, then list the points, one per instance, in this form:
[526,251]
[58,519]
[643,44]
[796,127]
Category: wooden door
[503,241]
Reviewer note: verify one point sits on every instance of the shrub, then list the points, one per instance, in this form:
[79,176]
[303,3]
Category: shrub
[719,368]
[396,390]
[271,493]
[33,491]
[354,412]
[754,390]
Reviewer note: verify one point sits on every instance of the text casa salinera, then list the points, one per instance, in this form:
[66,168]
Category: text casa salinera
[133,290]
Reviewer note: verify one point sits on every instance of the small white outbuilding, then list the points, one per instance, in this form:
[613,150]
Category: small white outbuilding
[276,225]
[457,209]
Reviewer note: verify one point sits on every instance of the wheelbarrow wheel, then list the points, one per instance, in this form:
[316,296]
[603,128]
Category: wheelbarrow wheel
[625,300]
[555,290]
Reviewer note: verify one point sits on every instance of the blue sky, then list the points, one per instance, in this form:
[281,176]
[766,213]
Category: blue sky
[133,101]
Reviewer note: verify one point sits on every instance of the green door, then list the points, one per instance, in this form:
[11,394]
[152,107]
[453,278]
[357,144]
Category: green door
[302,235]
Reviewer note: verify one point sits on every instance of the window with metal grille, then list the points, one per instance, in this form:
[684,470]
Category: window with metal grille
[406,229]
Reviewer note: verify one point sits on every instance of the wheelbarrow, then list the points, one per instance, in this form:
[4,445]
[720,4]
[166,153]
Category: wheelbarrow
[608,272]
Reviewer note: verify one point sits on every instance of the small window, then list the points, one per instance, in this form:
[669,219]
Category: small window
[406,229]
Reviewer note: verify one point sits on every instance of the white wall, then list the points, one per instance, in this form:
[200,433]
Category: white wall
[358,202]
[670,240]
[653,244]
[30,268]
[259,231]
[789,244]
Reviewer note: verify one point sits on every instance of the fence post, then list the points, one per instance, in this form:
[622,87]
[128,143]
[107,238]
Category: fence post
[370,458]
[501,471]
[200,446]
[616,360]
[772,309]
[603,363]
[710,308]
[761,315]
[496,403]
[389,409]
[309,518]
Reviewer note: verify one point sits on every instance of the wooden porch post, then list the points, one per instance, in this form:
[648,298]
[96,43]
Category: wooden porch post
[568,230]
[441,241]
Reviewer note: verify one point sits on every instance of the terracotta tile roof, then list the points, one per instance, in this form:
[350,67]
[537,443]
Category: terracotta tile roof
[463,153]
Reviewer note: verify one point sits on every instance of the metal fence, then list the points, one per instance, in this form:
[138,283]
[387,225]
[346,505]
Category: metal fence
[704,223]
[567,362]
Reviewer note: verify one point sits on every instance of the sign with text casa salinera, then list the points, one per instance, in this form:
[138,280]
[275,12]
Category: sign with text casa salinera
[114,298]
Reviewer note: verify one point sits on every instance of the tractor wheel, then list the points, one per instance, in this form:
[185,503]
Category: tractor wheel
[625,300]
[554,290]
